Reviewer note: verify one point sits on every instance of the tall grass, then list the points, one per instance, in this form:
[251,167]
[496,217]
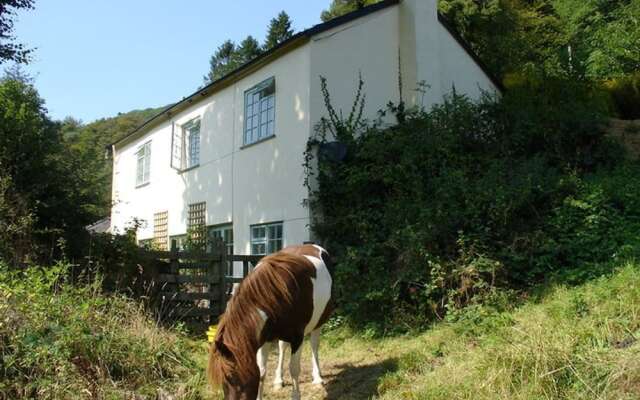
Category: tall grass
[568,343]
[59,341]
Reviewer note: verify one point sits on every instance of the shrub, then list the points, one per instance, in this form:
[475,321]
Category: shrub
[625,93]
[435,212]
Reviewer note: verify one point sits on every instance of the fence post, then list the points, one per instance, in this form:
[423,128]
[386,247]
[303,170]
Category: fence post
[217,279]
[174,268]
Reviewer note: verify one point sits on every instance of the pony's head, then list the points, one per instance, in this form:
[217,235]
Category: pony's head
[227,371]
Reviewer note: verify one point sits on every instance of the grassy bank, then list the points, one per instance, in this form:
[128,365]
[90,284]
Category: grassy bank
[562,343]
[63,342]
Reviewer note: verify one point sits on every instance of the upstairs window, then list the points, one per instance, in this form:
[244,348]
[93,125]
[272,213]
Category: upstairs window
[260,111]
[143,165]
[185,145]
[266,238]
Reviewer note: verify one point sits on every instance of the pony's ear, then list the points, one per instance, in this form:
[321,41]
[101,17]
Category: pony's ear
[223,349]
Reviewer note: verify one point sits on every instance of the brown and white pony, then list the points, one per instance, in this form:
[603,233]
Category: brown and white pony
[287,296]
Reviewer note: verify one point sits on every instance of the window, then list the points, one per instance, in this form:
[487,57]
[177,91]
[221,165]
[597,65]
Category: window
[161,230]
[266,239]
[224,232]
[260,110]
[185,146]
[143,165]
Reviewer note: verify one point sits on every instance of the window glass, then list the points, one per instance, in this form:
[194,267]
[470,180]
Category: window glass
[266,238]
[260,112]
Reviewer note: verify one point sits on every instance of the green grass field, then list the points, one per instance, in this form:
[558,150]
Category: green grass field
[561,343]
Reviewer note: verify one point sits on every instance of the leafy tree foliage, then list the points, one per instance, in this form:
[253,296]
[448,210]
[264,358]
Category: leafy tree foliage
[9,49]
[279,30]
[229,56]
[45,191]
[222,62]
[341,7]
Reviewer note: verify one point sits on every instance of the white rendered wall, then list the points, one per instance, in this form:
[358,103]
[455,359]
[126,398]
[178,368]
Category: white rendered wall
[368,45]
[257,184]
[429,53]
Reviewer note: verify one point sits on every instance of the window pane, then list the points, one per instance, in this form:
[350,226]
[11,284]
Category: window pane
[270,129]
[279,231]
[258,232]
[271,114]
[258,249]
[272,231]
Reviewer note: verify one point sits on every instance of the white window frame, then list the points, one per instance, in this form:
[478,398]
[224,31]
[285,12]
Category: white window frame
[260,123]
[185,145]
[143,164]
[271,241]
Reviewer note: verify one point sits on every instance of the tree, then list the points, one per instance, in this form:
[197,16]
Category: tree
[230,56]
[9,50]
[279,31]
[341,7]
[248,50]
[222,62]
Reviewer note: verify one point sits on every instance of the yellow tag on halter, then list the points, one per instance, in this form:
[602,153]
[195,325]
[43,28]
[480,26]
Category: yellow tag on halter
[211,333]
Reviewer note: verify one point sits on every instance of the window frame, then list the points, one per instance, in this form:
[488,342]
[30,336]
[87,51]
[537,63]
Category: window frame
[182,143]
[270,113]
[266,240]
[143,153]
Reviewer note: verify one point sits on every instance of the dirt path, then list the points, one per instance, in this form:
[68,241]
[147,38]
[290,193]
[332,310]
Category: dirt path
[347,375]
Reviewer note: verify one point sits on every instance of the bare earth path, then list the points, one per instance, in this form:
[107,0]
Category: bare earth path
[347,375]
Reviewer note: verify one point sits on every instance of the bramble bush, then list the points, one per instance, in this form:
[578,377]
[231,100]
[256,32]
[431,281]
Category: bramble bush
[447,206]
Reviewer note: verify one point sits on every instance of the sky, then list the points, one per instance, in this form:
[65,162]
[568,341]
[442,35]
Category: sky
[96,58]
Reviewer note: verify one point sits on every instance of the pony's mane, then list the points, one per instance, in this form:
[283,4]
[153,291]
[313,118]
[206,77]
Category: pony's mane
[271,288]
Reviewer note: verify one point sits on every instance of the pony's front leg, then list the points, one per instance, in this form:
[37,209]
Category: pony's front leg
[262,356]
[278,381]
[294,369]
[314,338]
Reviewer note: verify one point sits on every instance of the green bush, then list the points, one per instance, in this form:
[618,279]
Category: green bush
[436,211]
[62,341]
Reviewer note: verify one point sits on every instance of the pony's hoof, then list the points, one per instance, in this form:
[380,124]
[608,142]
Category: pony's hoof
[278,385]
[318,381]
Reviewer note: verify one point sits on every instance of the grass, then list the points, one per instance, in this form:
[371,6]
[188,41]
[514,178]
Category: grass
[565,342]
[63,342]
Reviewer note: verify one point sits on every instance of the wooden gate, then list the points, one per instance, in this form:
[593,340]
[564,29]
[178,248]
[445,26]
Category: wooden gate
[193,286]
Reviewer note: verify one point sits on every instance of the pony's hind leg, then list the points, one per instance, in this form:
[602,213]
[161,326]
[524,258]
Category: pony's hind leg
[314,338]
[278,381]
[262,356]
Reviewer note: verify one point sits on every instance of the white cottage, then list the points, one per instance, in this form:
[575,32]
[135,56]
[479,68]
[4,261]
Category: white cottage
[230,155]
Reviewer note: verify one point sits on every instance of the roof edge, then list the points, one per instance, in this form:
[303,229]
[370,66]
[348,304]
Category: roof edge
[290,44]
[444,21]
[265,57]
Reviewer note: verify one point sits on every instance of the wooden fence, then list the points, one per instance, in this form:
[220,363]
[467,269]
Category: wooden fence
[193,286]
